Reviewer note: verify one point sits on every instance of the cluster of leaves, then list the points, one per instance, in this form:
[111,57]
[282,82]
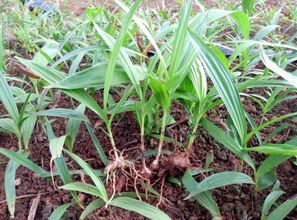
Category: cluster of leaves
[187,55]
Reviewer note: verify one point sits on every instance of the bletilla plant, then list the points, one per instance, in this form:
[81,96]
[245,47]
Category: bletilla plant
[192,63]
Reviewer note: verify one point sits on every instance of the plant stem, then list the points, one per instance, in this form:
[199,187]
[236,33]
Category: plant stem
[155,163]
[112,142]
[193,135]
[142,147]
[20,143]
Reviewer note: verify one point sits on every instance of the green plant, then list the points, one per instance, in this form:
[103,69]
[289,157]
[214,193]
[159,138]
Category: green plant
[144,67]
[18,123]
[98,189]
[282,210]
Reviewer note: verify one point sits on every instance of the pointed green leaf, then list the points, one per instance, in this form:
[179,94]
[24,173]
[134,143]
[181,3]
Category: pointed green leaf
[59,212]
[116,50]
[97,181]
[204,199]
[227,141]
[161,93]
[269,202]
[82,187]
[280,149]
[7,99]
[97,145]
[219,180]
[180,37]
[73,127]
[62,112]
[140,207]
[283,210]
[91,207]
[222,80]
[291,78]
[8,125]
[24,161]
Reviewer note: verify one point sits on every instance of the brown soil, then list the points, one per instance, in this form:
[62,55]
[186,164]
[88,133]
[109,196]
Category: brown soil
[235,202]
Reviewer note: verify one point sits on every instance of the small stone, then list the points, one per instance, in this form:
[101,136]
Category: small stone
[239,208]
[81,197]
[17,182]
[228,207]
[13,148]
[181,204]
[287,166]
[192,199]
[222,155]
[234,189]
[229,198]
[242,195]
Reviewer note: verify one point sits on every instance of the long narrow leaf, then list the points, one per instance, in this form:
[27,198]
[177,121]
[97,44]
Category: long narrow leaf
[280,149]
[219,180]
[73,127]
[222,80]
[91,207]
[62,112]
[140,207]
[9,185]
[283,210]
[97,181]
[291,78]
[204,199]
[227,141]
[116,50]
[22,160]
[180,37]
[82,187]
[269,201]
[7,99]
[59,212]
[97,145]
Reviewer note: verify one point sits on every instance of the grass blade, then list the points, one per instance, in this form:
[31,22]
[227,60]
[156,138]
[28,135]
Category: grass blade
[53,76]
[143,27]
[280,149]
[222,80]
[269,201]
[7,99]
[82,187]
[98,203]
[274,160]
[97,145]
[140,207]
[27,129]
[180,37]
[248,6]
[73,127]
[227,141]
[9,185]
[116,50]
[97,181]
[93,77]
[219,180]
[64,113]
[266,124]
[161,93]
[276,69]
[283,210]
[24,161]
[8,125]
[204,199]
[59,212]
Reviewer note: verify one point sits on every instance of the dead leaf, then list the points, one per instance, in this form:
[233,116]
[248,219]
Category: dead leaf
[33,208]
